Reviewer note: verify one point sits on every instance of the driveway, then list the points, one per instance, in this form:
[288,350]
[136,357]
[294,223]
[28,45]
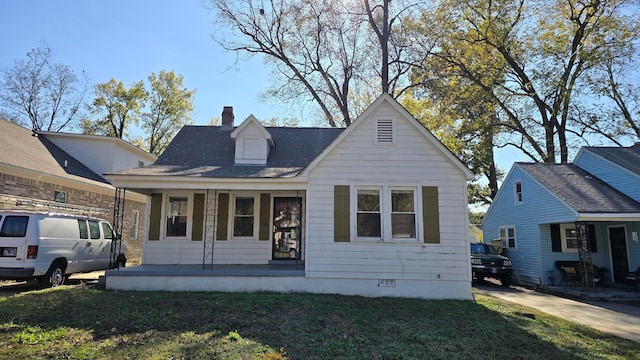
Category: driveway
[618,319]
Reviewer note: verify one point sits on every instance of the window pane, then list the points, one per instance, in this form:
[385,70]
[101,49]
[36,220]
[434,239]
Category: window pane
[106,229]
[369,200]
[402,201]
[94,229]
[571,238]
[369,225]
[243,226]
[403,225]
[177,216]
[84,231]
[243,220]
[133,227]
[14,226]
[244,206]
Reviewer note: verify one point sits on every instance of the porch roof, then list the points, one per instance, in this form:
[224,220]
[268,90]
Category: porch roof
[588,196]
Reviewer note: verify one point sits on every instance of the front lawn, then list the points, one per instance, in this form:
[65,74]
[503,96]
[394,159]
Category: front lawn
[87,323]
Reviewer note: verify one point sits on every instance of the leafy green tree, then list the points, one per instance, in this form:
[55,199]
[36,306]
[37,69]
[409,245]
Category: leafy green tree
[548,47]
[169,108]
[41,94]
[117,108]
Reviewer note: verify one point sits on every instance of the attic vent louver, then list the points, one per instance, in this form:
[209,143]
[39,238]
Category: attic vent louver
[385,131]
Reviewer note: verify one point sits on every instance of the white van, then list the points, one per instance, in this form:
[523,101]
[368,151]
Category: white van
[49,247]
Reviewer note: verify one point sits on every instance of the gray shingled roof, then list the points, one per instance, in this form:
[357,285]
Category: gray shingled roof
[580,190]
[208,151]
[19,148]
[625,157]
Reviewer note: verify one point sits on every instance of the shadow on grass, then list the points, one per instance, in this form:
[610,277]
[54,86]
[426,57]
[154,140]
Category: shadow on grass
[304,325]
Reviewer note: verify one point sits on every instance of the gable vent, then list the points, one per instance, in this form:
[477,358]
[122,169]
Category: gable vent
[385,132]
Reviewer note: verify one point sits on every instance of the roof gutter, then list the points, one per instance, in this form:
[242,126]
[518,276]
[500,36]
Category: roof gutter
[608,217]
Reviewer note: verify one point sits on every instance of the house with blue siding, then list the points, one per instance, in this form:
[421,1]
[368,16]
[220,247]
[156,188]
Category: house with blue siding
[540,207]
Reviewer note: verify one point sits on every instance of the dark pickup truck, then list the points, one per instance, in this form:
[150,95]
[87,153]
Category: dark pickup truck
[486,262]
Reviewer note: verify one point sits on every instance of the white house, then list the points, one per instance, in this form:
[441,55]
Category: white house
[376,209]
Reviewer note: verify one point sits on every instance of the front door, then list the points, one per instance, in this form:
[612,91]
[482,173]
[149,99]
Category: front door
[619,253]
[287,237]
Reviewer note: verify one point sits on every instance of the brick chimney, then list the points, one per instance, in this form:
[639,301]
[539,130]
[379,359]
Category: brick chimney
[227,117]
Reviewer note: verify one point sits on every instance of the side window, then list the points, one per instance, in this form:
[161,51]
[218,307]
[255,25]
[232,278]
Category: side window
[403,214]
[106,230]
[369,223]
[14,226]
[94,229]
[517,191]
[177,207]
[508,237]
[133,225]
[243,218]
[84,231]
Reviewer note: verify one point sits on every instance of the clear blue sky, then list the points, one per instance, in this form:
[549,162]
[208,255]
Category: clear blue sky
[130,39]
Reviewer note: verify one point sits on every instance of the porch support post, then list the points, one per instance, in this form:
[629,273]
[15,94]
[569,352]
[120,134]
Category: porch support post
[584,254]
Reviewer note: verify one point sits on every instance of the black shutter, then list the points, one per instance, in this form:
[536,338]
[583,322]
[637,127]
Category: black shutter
[556,241]
[265,221]
[198,217]
[592,238]
[341,216]
[155,217]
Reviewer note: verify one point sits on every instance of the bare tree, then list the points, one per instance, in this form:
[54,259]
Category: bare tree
[41,94]
[319,50]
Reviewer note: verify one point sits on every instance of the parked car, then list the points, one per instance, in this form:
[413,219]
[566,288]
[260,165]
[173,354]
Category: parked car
[50,247]
[486,262]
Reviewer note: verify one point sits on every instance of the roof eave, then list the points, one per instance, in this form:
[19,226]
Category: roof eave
[608,216]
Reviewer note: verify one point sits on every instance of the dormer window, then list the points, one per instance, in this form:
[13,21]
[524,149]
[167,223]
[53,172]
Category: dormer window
[253,142]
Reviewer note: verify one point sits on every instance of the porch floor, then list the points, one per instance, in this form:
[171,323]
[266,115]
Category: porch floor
[270,270]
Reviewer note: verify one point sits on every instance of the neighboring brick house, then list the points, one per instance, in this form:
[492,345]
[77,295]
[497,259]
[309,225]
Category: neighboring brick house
[67,168]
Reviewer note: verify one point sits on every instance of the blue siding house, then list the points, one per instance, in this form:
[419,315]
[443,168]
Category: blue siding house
[538,206]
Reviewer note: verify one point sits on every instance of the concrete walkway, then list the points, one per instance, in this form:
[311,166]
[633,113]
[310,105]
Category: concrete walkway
[618,319]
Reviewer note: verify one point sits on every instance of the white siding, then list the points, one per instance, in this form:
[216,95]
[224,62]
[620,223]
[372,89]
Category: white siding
[411,161]
[99,155]
[413,269]
[186,252]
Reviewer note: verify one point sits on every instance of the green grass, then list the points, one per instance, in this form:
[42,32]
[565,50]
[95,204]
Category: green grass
[87,323]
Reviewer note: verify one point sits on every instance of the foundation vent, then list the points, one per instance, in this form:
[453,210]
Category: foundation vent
[386,283]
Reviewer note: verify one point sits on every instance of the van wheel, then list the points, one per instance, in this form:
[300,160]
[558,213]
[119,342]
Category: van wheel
[55,276]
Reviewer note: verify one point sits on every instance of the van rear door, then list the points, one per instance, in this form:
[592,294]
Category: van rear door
[13,241]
